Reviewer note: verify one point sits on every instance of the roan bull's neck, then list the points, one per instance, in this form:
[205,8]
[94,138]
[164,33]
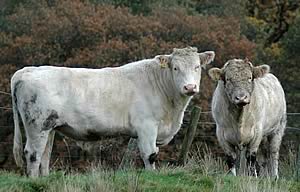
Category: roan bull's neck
[241,125]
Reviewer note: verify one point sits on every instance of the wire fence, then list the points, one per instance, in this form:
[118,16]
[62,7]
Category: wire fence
[199,123]
[5,93]
[62,152]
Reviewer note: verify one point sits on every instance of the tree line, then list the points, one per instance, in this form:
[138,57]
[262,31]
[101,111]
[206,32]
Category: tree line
[100,33]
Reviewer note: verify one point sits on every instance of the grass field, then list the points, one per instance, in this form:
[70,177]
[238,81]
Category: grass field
[202,173]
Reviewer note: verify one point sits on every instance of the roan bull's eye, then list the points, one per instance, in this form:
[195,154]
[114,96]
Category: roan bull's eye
[250,79]
[175,68]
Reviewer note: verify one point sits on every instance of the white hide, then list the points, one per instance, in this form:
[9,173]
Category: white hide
[140,99]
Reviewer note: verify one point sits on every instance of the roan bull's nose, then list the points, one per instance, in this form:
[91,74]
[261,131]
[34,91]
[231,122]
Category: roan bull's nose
[242,99]
[190,89]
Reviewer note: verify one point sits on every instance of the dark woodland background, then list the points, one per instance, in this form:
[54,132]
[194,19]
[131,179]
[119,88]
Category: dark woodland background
[100,33]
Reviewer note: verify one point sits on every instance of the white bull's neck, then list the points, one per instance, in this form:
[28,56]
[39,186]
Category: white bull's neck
[173,103]
[149,73]
[163,80]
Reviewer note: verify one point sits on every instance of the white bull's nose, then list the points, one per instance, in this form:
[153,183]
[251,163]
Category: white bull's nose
[190,89]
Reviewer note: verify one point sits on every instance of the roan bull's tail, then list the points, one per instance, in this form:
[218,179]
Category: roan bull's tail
[18,146]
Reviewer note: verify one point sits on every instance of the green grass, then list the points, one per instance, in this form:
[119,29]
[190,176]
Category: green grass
[166,179]
[203,173]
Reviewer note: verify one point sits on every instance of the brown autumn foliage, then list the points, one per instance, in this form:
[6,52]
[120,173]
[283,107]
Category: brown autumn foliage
[77,33]
[80,34]
[84,34]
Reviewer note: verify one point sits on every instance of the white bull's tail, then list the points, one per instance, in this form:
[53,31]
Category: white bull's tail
[18,146]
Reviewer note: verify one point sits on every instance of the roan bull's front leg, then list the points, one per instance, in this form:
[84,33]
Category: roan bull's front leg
[235,159]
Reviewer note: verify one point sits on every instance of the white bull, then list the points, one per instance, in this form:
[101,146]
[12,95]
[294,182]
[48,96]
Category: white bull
[145,99]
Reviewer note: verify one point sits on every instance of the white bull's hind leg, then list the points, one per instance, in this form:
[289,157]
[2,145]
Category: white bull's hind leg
[34,149]
[44,168]
[147,144]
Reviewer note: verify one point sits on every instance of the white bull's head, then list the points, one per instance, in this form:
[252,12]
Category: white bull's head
[185,68]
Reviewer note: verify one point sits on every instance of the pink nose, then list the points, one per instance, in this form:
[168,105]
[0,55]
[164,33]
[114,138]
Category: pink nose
[190,88]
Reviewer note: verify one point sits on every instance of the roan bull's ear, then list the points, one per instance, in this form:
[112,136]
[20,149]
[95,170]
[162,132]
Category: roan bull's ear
[206,57]
[260,71]
[215,74]
[164,60]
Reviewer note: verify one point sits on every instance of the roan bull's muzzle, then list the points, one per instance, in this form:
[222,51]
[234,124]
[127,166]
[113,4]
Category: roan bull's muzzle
[241,98]
[190,89]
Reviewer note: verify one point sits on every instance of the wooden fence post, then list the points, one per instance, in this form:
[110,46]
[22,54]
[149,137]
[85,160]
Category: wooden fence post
[189,135]
[129,154]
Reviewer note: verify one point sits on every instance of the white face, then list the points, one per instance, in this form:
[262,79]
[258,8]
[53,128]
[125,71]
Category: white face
[186,73]
[185,67]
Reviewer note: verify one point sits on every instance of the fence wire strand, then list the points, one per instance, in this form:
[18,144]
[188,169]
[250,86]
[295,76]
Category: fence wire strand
[66,156]
[5,93]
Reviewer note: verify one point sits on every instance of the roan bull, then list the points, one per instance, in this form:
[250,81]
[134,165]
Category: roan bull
[145,99]
[248,106]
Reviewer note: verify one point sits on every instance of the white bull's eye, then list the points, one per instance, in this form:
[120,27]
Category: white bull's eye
[175,68]
[197,67]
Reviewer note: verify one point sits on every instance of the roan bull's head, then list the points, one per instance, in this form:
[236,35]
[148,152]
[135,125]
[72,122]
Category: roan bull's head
[238,76]
[185,68]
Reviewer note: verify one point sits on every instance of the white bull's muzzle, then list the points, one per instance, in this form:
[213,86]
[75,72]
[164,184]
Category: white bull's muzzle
[190,89]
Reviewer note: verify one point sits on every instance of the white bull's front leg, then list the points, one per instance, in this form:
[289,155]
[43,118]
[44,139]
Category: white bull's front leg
[147,135]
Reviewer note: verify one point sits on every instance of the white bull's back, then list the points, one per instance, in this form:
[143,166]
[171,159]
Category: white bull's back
[83,98]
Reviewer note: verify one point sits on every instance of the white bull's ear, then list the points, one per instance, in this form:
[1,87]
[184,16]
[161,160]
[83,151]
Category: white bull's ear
[215,73]
[206,57]
[164,60]
[260,71]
